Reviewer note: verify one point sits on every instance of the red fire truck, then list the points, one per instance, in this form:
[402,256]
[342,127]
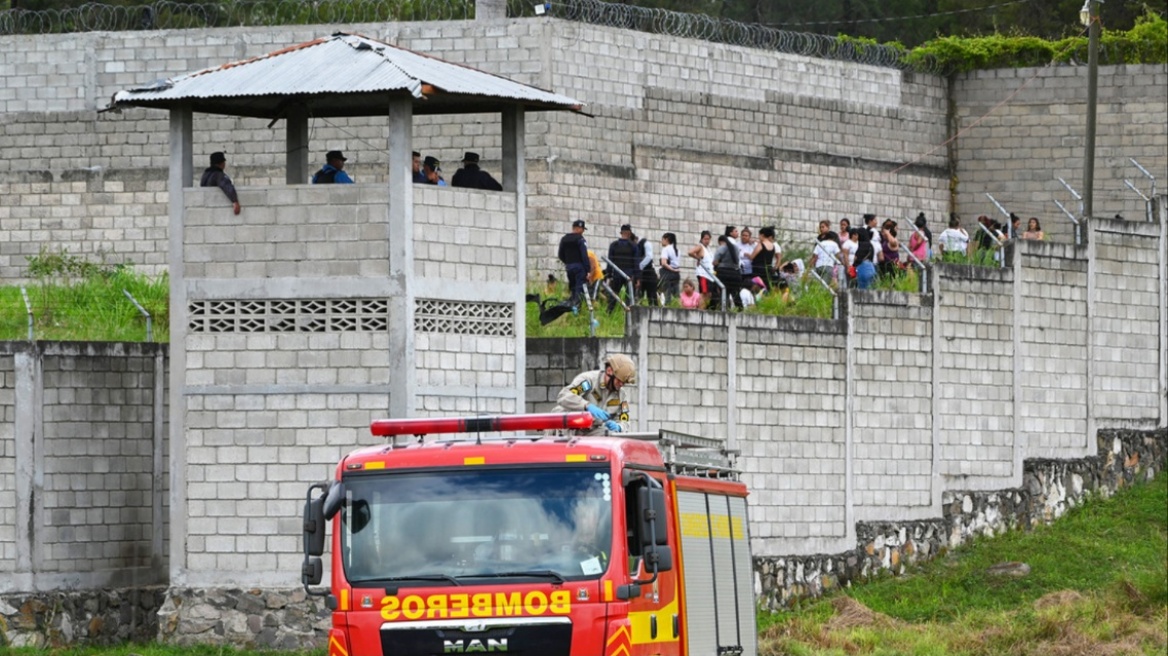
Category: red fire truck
[542,544]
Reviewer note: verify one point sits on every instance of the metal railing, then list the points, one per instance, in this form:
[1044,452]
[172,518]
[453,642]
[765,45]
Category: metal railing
[1148,215]
[628,282]
[924,270]
[1078,223]
[713,278]
[142,310]
[28,311]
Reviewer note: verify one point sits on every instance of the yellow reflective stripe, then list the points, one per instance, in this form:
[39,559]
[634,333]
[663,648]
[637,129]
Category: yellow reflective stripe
[575,457]
[696,525]
[375,465]
[474,460]
[336,648]
[343,602]
[608,590]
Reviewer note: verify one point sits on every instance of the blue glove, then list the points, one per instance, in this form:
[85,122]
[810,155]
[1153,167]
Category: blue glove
[597,412]
[612,426]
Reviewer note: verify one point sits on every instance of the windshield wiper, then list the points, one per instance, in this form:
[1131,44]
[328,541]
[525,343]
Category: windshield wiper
[546,573]
[413,577]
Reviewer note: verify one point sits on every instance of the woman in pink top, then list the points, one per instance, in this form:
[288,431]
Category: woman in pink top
[921,241]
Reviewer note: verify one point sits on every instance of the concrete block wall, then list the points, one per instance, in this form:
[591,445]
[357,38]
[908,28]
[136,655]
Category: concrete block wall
[892,390]
[267,413]
[465,374]
[1053,334]
[1125,323]
[98,424]
[1031,128]
[299,230]
[766,120]
[687,377]
[685,134]
[82,465]
[791,419]
[104,215]
[468,235]
[975,382]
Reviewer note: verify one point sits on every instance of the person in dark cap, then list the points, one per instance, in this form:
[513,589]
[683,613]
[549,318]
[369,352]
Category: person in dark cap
[624,255]
[216,176]
[471,176]
[331,172]
[419,175]
[432,171]
[574,254]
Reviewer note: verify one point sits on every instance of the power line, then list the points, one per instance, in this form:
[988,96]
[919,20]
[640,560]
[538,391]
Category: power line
[891,19]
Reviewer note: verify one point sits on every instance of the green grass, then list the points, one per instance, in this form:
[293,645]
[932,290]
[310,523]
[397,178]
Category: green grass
[91,308]
[1098,585]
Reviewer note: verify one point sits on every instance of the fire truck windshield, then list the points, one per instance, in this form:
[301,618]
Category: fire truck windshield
[425,528]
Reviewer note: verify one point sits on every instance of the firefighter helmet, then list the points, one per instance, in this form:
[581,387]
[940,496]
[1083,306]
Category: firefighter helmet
[623,368]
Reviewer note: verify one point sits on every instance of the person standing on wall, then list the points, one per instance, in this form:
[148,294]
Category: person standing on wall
[574,254]
[623,255]
[332,172]
[649,280]
[216,176]
[472,177]
[670,267]
[601,393]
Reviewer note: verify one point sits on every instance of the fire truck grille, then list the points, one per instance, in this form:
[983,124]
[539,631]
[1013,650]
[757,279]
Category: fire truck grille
[516,637]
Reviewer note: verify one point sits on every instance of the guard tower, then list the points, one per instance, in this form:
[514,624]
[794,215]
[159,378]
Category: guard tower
[319,307]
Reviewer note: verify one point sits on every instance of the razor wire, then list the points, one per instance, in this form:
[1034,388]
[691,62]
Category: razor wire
[170,15]
[720,30]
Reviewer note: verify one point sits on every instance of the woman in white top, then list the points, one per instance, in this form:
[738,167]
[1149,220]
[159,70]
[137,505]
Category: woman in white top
[850,242]
[670,267]
[955,239]
[704,269]
[826,253]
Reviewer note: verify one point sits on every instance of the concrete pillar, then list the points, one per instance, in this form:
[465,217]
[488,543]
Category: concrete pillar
[181,176]
[28,474]
[849,308]
[156,483]
[1160,211]
[490,9]
[402,387]
[515,181]
[296,143]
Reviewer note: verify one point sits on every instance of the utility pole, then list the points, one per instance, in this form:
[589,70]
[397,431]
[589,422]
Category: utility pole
[1089,15]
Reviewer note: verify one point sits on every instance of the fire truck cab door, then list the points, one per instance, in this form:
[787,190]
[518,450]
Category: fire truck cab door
[654,616]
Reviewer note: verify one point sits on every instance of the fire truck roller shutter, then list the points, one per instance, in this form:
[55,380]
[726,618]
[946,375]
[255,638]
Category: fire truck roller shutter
[744,571]
[719,604]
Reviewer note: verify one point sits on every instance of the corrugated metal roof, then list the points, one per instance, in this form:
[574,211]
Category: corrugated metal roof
[345,74]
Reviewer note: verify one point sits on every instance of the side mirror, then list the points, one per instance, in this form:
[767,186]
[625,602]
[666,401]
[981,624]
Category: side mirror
[334,500]
[651,508]
[312,571]
[314,527]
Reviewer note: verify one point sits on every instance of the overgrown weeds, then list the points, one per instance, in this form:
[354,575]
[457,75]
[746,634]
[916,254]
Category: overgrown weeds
[78,299]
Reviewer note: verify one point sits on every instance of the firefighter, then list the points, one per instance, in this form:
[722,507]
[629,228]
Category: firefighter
[601,393]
